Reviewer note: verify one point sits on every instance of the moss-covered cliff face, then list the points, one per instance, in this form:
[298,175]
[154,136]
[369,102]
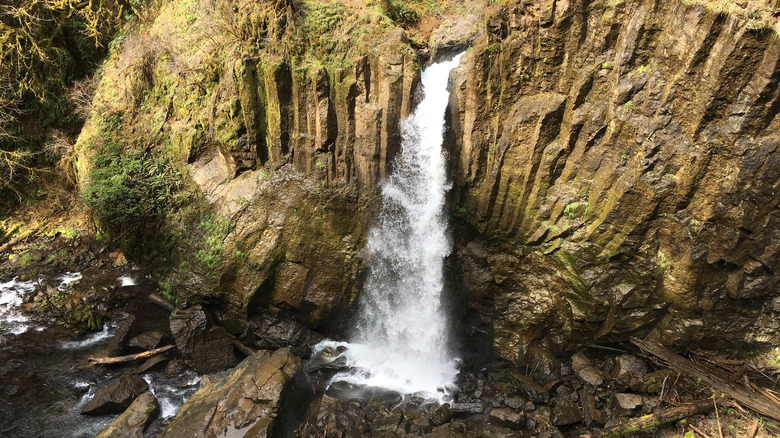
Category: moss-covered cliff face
[615,164]
[618,164]
[285,116]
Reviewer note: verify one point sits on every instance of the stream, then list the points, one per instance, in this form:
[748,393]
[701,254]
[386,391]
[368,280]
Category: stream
[46,375]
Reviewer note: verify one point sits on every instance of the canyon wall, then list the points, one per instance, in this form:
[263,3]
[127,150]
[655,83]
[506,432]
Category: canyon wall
[616,170]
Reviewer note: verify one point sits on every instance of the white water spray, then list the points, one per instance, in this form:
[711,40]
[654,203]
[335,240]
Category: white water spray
[401,340]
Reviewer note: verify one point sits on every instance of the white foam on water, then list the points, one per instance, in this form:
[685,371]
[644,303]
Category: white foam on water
[67,279]
[91,340]
[170,393]
[11,295]
[401,339]
[126,280]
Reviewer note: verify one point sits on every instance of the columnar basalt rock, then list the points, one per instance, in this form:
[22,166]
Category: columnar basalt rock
[617,163]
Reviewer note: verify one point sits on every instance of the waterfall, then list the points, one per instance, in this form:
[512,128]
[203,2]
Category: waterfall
[400,342]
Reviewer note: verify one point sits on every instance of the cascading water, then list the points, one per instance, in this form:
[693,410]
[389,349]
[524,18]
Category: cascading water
[401,339]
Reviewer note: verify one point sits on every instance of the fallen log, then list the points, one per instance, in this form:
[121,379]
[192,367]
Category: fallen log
[130,357]
[756,401]
[649,422]
[160,301]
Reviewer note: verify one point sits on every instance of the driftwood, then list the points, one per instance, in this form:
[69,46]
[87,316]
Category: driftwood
[756,401]
[648,422]
[162,302]
[242,347]
[129,357]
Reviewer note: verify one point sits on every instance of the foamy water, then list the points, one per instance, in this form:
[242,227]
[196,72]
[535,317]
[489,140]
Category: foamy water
[401,342]
[12,293]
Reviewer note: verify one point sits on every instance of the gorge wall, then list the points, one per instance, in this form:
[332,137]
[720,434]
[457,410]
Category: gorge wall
[617,165]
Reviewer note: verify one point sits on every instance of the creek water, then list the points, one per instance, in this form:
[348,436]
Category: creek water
[45,376]
[400,342]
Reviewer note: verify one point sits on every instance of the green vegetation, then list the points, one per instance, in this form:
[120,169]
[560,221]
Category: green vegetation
[573,210]
[130,192]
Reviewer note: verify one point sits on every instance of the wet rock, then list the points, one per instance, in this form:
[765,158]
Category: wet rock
[240,403]
[121,335]
[565,412]
[652,383]
[441,415]
[623,404]
[530,389]
[174,368]
[515,403]
[506,418]
[205,347]
[116,396]
[629,365]
[590,412]
[463,409]
[345,391]
[154,362]
[585,370]
[146,341]
[268,333]
[133,421]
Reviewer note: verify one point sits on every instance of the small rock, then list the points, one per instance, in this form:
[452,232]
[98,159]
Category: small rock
[116,396]
[132,422]
[515,403]
[653,382]
[586,371]
[629,364]
[530,389]
[441,415]
[506,418]
[623,404]
[565,413]
[590,412]
[462,409]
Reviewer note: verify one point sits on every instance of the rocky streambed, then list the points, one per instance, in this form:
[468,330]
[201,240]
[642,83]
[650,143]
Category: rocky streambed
[260,377]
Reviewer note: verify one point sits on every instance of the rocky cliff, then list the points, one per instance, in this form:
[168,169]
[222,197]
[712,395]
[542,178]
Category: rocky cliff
[617,167]
[285,120]
[615,164]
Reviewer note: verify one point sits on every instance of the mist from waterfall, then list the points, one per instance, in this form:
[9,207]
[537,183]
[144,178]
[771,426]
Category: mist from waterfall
[401,341]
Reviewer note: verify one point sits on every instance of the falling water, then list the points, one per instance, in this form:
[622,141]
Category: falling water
[401,339]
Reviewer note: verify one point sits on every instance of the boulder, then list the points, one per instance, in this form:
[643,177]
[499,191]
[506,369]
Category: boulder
[132,422]
[240,403]
[206,347]
[441,415]
[121,335]
[146,341]
[116,396]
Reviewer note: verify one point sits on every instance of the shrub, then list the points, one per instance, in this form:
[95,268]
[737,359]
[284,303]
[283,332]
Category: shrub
[130,194]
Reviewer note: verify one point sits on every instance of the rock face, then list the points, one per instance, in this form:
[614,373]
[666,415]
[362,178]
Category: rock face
[115,397]
[616,174]
[132,422]
[243,403]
